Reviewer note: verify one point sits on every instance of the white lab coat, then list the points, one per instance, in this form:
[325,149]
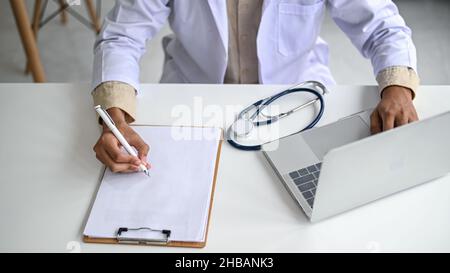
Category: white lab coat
[289,49]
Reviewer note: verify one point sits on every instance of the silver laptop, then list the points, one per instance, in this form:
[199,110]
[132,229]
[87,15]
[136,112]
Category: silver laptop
[338,167]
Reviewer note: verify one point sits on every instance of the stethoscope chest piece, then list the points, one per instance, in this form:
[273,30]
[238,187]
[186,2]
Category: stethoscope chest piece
[242,127]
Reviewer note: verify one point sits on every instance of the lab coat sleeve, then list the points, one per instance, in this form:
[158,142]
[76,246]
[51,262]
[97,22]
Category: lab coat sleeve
[377,30]
[122,41]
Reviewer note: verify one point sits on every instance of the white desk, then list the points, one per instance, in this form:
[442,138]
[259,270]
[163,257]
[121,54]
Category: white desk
[49,176]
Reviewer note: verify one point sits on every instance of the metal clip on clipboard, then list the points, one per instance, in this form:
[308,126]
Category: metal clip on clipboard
[137,236]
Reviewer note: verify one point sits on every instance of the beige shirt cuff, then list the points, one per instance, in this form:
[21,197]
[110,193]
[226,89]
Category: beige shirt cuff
[399,75]
[116,94]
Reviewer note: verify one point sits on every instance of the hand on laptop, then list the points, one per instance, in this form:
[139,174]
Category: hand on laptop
[108,149]
[395,109]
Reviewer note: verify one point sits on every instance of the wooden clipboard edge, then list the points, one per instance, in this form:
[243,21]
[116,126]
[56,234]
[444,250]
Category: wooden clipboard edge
[92,240]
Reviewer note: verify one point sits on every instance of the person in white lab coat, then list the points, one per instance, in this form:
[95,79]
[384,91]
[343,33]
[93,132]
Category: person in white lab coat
[246,41]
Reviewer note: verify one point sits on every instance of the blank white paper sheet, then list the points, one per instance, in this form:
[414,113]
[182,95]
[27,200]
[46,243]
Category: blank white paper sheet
[175,197]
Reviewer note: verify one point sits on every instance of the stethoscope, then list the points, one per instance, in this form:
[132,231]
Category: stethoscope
[246,121]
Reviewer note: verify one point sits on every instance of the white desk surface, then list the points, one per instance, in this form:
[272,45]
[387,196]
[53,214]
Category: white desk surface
[49,176]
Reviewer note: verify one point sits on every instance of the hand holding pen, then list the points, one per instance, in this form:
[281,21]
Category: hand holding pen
[116,134]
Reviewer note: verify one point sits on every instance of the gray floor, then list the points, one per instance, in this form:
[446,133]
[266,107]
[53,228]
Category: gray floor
[67,50]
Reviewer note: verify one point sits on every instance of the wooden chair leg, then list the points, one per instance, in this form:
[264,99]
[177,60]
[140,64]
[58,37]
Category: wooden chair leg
[35,26]
[37,16]
[28,41]
[93,15]
[64,18]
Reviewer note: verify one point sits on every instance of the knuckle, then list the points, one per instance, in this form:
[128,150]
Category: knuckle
[389,111]
[103,138]
[98,157]
[382,108]
[114,169]
[97,149]
[117,156]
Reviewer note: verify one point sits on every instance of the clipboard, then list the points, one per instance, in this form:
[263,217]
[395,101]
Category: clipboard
[165,240]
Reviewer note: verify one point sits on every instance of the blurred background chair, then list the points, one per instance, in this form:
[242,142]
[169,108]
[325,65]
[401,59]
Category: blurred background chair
[29,31]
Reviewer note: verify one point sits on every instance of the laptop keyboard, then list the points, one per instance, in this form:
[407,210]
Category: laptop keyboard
[306,181]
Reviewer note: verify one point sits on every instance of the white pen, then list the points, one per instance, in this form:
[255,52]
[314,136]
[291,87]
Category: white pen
[112,126]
